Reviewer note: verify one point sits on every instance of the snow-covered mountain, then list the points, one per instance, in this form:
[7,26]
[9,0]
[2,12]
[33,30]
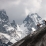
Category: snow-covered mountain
[9,32]
[29,25]
[12,32]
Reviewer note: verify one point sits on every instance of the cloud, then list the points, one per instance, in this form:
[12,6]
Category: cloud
[8,3]
[27,11]
[32,5]
[42,11]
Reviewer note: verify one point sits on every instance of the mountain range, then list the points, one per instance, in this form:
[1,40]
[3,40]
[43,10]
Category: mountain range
[12,32]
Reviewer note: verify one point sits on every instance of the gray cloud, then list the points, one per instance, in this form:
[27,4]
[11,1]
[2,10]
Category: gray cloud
[42,11]
[19,9]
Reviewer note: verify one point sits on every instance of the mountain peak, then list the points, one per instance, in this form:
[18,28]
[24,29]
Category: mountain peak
[3,16]
[31,22]
[34,17]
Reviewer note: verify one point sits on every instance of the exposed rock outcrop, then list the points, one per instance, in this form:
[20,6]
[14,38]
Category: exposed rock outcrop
[38,38]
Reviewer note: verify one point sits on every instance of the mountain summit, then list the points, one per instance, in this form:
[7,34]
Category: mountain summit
[30,23]
[3,16]
[34,17]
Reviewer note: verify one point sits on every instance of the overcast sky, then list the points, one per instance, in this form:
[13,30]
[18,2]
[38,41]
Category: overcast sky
[18,9]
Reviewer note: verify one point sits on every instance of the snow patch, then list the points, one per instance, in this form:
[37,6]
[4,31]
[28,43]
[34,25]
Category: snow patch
[33,29]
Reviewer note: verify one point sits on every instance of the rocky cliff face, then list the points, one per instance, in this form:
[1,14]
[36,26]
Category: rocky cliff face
[42,41]
[38,38]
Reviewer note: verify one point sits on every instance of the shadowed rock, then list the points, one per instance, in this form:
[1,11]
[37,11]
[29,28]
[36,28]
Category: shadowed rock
[38,38]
